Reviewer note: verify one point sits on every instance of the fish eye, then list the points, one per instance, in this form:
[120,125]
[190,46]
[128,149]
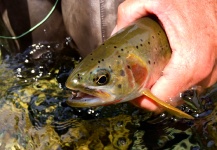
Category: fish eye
[101,76]
[102,80]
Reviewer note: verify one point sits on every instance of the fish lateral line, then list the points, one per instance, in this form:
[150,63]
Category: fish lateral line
[169,108]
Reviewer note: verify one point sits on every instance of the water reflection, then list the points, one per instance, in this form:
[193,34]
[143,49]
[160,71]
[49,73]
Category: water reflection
[34,115]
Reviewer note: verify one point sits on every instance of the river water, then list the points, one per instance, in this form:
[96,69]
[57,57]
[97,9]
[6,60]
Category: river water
[34,114]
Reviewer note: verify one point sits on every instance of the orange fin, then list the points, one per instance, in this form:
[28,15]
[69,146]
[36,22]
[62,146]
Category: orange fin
[169,108]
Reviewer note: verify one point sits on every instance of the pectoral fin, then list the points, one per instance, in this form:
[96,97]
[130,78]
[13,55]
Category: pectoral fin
[169,108]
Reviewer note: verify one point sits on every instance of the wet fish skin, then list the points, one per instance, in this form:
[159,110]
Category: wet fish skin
[124,67]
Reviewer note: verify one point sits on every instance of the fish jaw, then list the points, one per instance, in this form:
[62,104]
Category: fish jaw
[87,96]
[89,101]
[84,101]
[96,98]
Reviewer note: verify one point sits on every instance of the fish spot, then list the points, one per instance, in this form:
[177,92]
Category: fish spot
[148,42]
[119,56]
[137,47]
[91,58]
[154,62]
[79,78]
[94,79]
[141,40]
[102,59]
[115,46]
[91,54]
[153,37]
[128,67]
[103,43]
[149,62]
[110,68]
[141,45]
[98,61]
[122,49]
[119,86]
[122,73]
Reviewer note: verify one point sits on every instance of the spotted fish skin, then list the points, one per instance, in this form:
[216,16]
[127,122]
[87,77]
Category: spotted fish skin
[123,66]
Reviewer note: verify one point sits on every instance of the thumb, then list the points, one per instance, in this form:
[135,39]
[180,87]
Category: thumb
[168,87]
[129,11]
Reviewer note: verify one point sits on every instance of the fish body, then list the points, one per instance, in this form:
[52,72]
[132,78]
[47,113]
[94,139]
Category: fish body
[123,68]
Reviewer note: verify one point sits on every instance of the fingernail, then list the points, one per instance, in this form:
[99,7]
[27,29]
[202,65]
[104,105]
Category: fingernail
[114,30]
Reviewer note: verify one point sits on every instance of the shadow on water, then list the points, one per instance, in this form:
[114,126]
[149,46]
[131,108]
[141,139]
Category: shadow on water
[34,114]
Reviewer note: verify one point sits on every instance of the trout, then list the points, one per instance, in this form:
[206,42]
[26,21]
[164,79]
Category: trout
[123,68]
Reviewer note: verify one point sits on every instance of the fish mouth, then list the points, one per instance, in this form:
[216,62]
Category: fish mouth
[81,99]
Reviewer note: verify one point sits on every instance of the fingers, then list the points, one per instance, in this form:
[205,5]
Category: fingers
[129,11]
[211,79]
[192,40]
[179,75]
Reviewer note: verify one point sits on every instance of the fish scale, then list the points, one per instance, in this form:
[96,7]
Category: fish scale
[123,68]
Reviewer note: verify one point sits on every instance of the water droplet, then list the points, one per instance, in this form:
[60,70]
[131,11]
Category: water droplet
[26,61]
[121,141]
[120,124]
[33,71]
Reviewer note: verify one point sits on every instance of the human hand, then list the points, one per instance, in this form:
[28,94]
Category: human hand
[191,27]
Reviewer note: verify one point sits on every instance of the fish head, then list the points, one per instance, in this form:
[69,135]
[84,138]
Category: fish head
[106,76]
